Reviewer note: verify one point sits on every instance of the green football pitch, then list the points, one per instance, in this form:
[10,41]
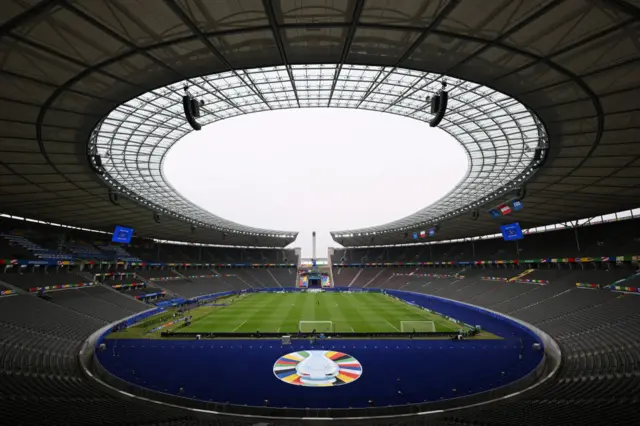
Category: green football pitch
[283,312]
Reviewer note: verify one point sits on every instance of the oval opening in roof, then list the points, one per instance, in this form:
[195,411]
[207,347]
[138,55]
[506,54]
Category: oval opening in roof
[315,169]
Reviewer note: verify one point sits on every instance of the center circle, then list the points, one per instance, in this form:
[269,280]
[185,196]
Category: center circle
[317,368]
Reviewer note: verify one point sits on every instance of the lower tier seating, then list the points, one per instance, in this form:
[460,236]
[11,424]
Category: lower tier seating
[33,280]
[41,380]
[598,331]
[197,286]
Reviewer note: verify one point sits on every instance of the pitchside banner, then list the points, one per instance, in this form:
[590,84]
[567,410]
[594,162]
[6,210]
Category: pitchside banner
[304,281]
[326,281]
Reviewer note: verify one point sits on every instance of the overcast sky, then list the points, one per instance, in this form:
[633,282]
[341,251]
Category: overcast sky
[315,170]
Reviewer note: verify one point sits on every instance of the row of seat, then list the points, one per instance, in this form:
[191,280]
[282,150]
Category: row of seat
[597,331]
[392,277]
[41,381]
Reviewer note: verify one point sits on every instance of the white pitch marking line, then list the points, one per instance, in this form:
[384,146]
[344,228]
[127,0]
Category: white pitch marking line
[239,326]
[353,329]
[389,324]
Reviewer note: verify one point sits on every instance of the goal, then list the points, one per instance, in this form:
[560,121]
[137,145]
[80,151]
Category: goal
[318,326]
[417,326]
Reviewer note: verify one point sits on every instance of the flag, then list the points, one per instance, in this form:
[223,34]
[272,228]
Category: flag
[423,234]
[517,205]
[415,235]
[495,213]
[505,209]
[432,232]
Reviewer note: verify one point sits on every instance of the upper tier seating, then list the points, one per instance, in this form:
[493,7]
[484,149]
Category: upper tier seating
[36,250]
[118,252]
[10,249]
[84,250]
[212,255]
[608,239]
[38,241]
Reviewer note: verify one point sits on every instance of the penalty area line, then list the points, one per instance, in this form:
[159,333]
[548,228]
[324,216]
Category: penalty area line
[391,325]
[243,323]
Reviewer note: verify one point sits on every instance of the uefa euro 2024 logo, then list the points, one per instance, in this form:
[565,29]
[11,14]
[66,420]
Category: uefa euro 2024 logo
[317,368]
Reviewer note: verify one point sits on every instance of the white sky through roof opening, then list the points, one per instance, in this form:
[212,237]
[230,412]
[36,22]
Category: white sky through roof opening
[319,169]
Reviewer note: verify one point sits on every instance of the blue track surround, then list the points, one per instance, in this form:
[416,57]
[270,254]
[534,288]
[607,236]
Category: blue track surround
[394,372]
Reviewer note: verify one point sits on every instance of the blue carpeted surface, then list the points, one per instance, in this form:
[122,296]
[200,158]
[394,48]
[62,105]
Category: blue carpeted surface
[394,371]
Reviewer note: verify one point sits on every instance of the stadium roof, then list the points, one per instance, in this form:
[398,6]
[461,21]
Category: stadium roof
[66,65]
[498,133]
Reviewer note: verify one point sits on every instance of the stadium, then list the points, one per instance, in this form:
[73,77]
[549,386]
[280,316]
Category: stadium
[512,300]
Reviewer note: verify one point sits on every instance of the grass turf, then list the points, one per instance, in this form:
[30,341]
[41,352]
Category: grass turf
[277,312]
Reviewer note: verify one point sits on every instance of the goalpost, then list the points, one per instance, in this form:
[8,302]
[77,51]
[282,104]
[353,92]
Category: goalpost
[318,326]
[417,326]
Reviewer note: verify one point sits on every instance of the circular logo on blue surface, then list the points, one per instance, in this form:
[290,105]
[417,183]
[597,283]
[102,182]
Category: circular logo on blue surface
[317,368]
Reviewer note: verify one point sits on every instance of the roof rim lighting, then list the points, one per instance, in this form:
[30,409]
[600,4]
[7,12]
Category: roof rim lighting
[499,134]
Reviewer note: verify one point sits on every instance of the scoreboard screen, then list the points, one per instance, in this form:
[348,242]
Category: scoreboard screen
[122,235]
[511,232]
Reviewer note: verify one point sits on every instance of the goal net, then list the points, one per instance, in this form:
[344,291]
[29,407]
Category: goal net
[417,326]
[318,326]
